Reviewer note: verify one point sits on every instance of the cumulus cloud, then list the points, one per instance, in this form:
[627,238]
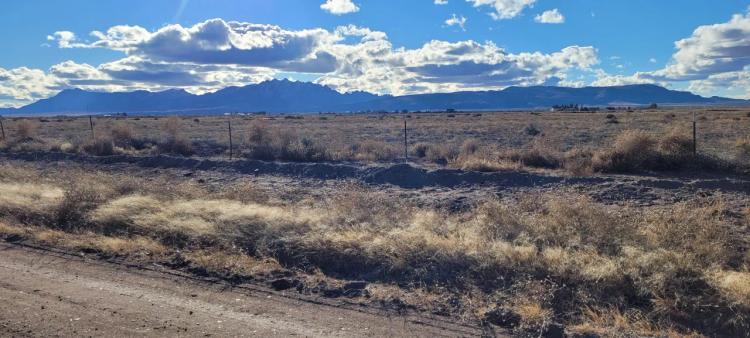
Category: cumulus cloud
[65,39]
[713,61]
[441,2]
[504,9]
[711,49]
[551,16]
[604,79]
[459,21]
[339,7]
[214,54]
[440,66]
[731,84]
[24,85]
[218,42]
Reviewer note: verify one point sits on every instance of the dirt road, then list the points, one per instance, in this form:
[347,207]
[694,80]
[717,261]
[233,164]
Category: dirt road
[55,294]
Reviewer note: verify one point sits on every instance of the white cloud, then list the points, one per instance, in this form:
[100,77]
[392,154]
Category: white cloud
[711,49]
[65,39]
[504,9]
[218,42]
[713,60]
[23,85]
[339,7]
[440,66]
[603,79]
[214,54]
[459,21]
[441,2]
[550,16]
[730,84]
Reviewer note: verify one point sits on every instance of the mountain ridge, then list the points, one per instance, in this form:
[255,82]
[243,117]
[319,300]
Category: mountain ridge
[284,96]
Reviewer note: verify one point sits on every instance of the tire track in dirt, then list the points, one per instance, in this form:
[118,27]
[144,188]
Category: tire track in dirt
[48,294]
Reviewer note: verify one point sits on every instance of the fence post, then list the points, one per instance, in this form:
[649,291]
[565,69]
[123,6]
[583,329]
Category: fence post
[406,147]
[2,128]
[229,123]
[695,140]
[91,125]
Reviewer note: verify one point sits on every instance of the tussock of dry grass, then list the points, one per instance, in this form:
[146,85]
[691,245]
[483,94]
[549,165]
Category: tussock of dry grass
[175,142]
[612,322]
[262,143]
[26,129]
[99,146]
[742,150]
[233,263]
[735,285]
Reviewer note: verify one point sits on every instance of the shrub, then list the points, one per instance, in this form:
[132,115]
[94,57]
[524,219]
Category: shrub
[122,134]
[78,200]
[420,149]
[742,149]
[539,155]
[172,127]
[633,149]
[175,142]
[99,146]
[27,129]
[578,162]
[532,130]
[374,151]
[475,163]
[636,150]
[676,150]
[442,153]
[285,145]
[179,146]
[470,147]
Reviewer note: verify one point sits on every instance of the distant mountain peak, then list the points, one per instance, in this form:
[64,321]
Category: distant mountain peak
[283,95]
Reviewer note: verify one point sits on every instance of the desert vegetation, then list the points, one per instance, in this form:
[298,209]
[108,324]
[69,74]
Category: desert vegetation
[533,263]
[577,144]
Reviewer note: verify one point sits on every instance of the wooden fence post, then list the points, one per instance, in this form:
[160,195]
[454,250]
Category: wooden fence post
[2,128]
[91,125]
[695,140]
[229,123]
[406,146]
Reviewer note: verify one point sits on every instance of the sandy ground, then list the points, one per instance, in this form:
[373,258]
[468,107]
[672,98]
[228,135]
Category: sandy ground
[53,294]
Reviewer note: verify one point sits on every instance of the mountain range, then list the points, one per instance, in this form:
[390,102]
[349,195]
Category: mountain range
[283,96]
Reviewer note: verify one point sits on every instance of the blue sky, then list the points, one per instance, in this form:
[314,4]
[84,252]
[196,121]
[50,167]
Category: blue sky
[383,46]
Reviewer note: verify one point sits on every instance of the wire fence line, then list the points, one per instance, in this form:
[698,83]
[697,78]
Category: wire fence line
[710,134]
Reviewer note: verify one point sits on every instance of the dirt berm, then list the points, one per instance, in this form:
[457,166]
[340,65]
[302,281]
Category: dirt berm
[401,175]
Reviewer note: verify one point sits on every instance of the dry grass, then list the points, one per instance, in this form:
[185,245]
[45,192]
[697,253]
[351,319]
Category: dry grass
[122,133]
[99,146]
[580,144]
[228,263]
[174,142]
[275,144]
[735,285]
[26,129]
[547,258]
[742,147]
[611,322]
